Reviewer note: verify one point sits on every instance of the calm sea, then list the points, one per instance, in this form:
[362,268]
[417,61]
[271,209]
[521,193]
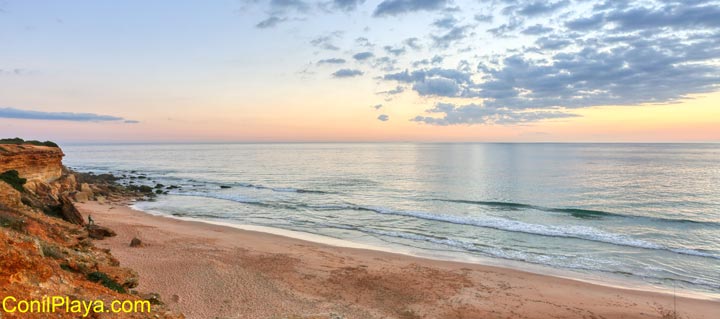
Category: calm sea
[645,214]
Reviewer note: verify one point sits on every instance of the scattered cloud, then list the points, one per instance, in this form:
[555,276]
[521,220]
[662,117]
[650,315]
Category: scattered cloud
[15,71]
[455,34]
[347,73]
[537,8]
[377,106]
[484,18]
[437,82]
[398,7]
[383,117]
[396,51]
[447,22]
[364,42]
[347,5]
[288,5]
[270,22]
[362,56]
[537,29]
[332,61]
[13,113]
[477,114]
[413,43]
[397,90]
[327,42]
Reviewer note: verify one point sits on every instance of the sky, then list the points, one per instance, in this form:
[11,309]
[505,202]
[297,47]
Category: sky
[354,70]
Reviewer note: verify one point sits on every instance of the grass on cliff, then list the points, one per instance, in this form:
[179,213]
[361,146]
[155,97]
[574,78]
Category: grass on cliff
[18,141]
[12,221]
[12,178]
[103,279]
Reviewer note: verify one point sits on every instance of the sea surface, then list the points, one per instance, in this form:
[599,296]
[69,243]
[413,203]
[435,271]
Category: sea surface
[634,214]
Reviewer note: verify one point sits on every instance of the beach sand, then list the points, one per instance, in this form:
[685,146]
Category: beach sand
[211,271]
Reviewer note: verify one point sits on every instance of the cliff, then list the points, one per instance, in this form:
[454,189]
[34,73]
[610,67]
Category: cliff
[45,248]
[35,163]
[41,166]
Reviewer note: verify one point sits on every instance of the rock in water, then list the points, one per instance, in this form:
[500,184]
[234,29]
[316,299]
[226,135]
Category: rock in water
[69,212]
[99,232]
[135,242]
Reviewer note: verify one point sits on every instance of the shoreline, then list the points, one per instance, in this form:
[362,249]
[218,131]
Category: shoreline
[538,269]
[321,278]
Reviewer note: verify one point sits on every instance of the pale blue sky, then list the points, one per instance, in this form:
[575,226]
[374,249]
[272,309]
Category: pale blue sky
[258,64]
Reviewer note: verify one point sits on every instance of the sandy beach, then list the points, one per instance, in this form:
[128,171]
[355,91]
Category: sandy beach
[211,271]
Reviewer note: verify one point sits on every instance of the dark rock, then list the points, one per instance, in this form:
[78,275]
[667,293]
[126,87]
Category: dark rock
[153,298]
[99,232]
[69,211]
[136,242]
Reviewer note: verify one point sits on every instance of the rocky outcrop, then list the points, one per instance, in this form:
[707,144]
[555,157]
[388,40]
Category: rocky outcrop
[9,196]
[99,232]
[38,164]
[69,212]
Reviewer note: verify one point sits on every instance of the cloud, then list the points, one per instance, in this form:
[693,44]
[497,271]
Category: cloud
[332,61]
[413,43]
[447,22]
[552,43]
[362,56]
[383,117]
[453,35]
[13,113]
[326,42]
[424,62]
[537,8]
[15,71]
[396,51]
[670,14]
[377,106]
[476,114]
[486,18]
[398,7]
[364,42]
[437,82]
[639,71]
[438,86]
[288,5]
[347,5]
[347,73]
[385,63]
[513,24]
[397,90]
[270,22]
[537,29]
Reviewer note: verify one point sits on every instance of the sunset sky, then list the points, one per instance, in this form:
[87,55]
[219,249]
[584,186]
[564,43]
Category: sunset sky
[353,70]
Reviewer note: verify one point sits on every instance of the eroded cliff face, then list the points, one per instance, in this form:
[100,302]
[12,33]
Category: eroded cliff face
[35,163]
[47,181]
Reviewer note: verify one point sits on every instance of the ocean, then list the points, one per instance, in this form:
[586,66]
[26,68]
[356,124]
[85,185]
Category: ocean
[637,215]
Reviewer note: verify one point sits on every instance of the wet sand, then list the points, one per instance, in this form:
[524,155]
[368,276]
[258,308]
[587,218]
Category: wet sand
[212,271]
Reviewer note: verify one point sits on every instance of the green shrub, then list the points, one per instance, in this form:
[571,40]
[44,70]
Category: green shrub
[13,179]
[106,281]
[16,140]
[19,141]
[52,251]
